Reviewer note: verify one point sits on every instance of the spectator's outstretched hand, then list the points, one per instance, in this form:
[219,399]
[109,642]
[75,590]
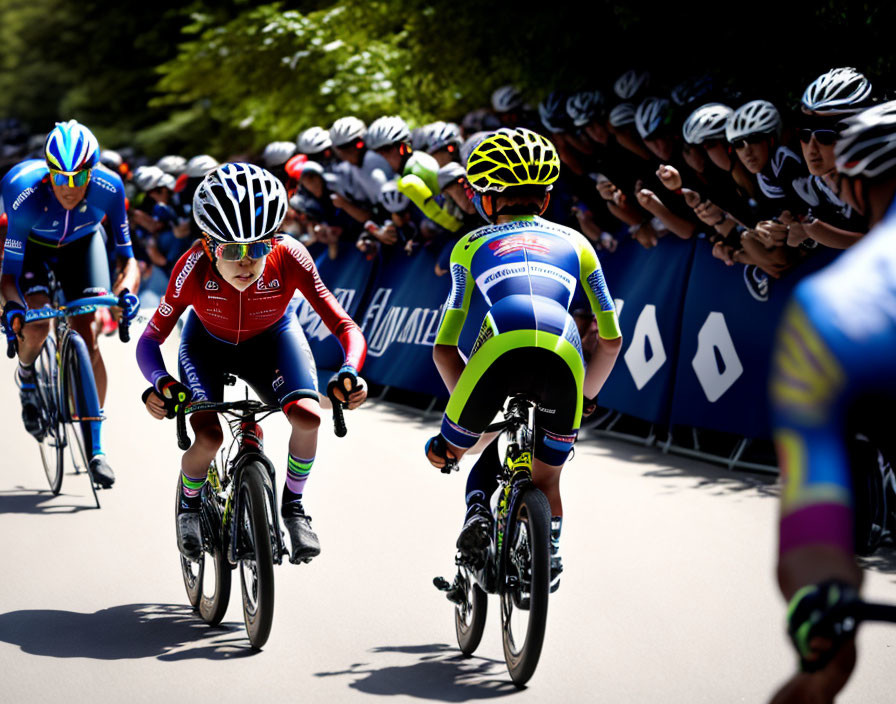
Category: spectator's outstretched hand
[723,252]
[708,212]
[692,198]
[669,177]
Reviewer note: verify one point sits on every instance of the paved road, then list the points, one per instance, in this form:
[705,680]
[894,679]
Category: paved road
[668,594]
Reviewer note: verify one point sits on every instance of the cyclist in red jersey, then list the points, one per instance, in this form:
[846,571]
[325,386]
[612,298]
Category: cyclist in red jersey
[240,279]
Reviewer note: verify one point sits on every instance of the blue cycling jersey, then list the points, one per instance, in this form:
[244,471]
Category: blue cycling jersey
[34,213]
[833,355]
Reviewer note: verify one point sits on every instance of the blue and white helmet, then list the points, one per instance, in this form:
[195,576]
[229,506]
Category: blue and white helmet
[239,202]
[651,115]
[71,147]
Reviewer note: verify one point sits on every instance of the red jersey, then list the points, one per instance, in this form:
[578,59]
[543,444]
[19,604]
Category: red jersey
[234,316]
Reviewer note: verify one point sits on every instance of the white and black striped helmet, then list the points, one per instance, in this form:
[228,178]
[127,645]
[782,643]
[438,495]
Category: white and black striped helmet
[652,115]
[447,134]
[622,115]
[867,144]
[755,117]
[586,106]
[506,98]
[239,202]
[392,199]
[706,122]
[387,130]
[840,91]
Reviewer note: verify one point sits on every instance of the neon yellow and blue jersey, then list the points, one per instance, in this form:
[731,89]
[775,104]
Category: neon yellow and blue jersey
[527,270]
[35,214]
[835,353]
[420,183]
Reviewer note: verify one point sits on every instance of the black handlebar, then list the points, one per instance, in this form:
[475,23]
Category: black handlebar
[11,348]
[183,440]
[347,384]
[124,333]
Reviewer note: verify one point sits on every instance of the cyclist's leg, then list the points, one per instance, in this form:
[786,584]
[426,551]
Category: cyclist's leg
[202,361]
[83,270]
[290,379]
[34,287]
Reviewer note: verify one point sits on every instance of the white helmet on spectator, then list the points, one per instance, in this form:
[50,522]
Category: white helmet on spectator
[172,164]
[392,199]
[200,165]
[148,177]
[470,144]
[506,98]
[622,115]
[239,202]
[450,173]
[447,134]
[479,120]
[755,117]
[630,83]
[314,140]
[652,115]
[585,106]
[277,153]
[111,159]
[867,144]
[840,91]
[691,90]
[706,122]
[387,130]
[420,136]
[347,129]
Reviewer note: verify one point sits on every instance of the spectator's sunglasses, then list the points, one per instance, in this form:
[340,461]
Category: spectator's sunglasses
[749,139]
[234,251]
[72,179]
[825,137]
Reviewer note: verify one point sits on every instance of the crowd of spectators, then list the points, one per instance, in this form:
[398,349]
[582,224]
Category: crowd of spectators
[641,160]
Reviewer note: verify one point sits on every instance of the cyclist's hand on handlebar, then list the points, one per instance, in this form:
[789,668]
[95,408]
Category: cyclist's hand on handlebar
[173,394]
[820,620]
[155,404]
[13,322]
[348,388]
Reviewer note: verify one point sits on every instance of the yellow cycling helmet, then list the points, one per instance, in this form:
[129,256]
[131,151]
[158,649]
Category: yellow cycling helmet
[510,158]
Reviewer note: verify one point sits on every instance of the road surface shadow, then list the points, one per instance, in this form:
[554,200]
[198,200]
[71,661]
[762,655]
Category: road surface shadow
[437,672]
[883,560]
[129,631]
[36,501]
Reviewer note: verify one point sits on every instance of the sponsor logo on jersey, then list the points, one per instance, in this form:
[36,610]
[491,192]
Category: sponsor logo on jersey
[103,183]
[165,308]
[14,244]
[23,196]
[518,243]
[267,286]
[185,272]
[211,285]
[486,331]
[278,382]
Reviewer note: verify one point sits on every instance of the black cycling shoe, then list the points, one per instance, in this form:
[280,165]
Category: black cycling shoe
[31,414]
[556,569]
[305,543]
[101,472]
[189,534]
[475,537]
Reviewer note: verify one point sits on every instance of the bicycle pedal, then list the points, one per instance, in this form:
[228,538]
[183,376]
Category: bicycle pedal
[442,584]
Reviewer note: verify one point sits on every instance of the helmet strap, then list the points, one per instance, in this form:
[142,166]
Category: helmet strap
[547,202]
[479,203]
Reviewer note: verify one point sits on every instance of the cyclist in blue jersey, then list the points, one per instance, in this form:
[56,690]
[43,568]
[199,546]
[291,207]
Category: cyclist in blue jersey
[56,206]
[834,371]
[528,270]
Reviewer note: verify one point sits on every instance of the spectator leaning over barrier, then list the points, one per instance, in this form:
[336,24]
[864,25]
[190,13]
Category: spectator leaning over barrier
[833,375]
[362,170]
[417,171]
[827,101]
[454,186]
[319,219]
[172,164]
[275,156]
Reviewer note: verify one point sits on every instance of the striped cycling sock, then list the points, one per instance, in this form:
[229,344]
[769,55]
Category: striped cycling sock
[190,491]
[297,471]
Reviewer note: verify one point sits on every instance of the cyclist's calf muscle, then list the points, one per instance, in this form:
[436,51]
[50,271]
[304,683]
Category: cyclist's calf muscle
[209,436]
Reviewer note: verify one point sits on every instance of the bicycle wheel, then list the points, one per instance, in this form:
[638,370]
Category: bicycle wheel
[52,444]
[469,617]
[524,594]
[74,405]
[257,570]
[208,590]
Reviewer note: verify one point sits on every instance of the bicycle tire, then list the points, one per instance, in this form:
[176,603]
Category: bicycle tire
[77,433]
[469,617]
[212,607]
[256,576]
[52,444]
[527,545]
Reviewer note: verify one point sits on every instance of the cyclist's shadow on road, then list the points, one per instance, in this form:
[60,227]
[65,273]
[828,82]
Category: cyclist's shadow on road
[129,631]
[440,672]
[24,500]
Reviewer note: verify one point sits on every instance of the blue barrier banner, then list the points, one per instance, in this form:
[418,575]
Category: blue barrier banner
[725,344]
[649,289]
[347,277]
[401,320]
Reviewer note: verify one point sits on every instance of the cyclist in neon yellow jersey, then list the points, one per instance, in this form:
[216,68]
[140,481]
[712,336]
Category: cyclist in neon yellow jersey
[418,179]
[528,271]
